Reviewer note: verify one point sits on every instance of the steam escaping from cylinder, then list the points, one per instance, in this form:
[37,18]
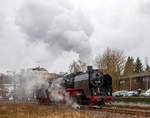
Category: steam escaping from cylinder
[58,94]
[61,27]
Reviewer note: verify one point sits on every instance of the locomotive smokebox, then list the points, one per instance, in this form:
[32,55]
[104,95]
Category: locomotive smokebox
[89,68]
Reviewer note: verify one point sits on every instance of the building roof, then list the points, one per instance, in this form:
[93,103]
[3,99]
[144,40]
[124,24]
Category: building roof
[39,69]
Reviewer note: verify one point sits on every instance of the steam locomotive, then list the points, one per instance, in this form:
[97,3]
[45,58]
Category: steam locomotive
[86,88]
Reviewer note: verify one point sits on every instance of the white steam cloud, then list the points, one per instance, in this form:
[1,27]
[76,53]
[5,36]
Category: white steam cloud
[59,95]
[58,30]
[28,82]
[60,26]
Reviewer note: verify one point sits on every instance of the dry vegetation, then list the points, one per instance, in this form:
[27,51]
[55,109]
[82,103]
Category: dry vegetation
[43,111]
[39,111]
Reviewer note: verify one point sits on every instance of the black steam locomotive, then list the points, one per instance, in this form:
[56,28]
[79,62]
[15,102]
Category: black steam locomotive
[86,88]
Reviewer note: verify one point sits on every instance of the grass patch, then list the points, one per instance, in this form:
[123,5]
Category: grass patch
[145,100]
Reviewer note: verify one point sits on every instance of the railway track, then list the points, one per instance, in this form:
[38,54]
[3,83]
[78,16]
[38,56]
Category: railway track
[120,109]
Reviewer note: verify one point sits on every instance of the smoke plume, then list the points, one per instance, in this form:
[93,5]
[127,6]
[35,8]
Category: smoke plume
[60,26]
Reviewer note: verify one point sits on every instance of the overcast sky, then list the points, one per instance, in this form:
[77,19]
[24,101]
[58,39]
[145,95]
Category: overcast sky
[53,33]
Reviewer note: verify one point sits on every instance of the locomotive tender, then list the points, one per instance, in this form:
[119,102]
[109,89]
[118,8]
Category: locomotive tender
[86,88]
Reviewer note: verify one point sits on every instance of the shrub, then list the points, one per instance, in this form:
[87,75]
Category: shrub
[133,99]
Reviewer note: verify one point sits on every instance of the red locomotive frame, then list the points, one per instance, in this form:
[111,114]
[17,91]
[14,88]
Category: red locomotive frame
[90,101]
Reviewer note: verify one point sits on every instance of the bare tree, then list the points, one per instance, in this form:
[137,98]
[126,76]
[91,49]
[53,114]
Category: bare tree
[111,62]
[77,66]
[147,69]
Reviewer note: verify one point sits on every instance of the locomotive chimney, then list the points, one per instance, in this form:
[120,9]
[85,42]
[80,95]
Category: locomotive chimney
[89,68]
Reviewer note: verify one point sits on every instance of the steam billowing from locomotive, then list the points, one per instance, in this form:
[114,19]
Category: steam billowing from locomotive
[57,93]
[60,27]
[26,83]
[83,88]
